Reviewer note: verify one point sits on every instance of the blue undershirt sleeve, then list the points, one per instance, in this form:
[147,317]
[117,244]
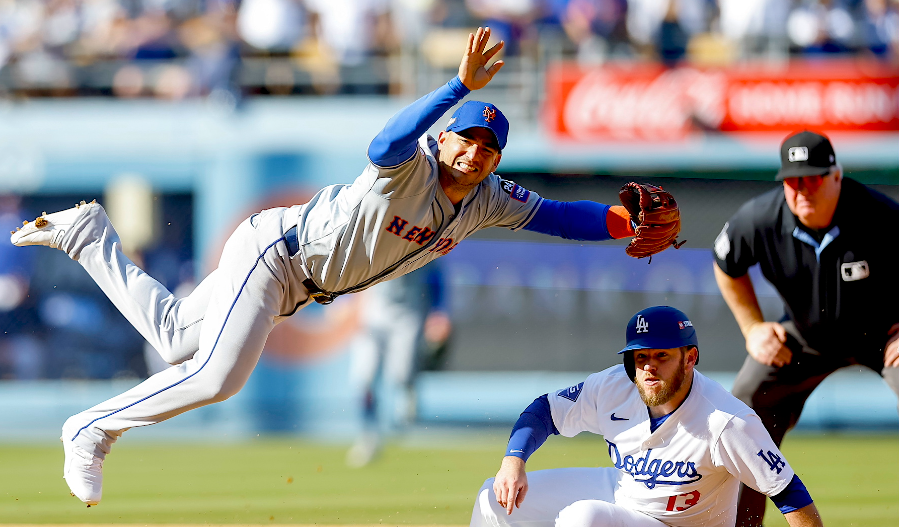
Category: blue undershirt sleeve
[792,498]
[534,425]
[572,220]
[398,141]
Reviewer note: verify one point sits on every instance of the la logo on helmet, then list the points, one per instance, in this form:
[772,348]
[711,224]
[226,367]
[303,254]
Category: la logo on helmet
[642,325]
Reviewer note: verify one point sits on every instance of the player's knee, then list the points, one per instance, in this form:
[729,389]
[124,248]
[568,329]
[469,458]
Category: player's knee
[218,390]
[175,356]
[485,507]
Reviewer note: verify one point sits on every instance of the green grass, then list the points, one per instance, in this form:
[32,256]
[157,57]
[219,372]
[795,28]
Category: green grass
[854,480]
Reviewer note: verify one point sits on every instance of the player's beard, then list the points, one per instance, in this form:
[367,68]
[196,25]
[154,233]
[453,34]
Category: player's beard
[669,389]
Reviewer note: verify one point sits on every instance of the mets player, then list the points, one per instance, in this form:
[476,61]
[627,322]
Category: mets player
[680,446]
[417,198]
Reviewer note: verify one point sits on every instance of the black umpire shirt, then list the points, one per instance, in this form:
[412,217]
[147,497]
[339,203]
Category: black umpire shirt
[839,285]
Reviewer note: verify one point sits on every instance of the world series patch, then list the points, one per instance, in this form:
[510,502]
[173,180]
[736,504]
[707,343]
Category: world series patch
[515,191]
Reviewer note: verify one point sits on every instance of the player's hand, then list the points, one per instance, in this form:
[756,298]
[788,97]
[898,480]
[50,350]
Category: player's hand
[891,350]
[765,343]
[511,483]
[473,71]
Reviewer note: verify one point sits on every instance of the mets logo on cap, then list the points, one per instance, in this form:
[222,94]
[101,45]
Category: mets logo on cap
[489,114]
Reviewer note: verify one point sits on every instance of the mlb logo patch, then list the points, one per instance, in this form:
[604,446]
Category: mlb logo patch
[852,271]
[797,153]
[683,324]
[571,393]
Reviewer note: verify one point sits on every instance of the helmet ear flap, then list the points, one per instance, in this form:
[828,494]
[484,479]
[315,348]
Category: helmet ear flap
[629,365]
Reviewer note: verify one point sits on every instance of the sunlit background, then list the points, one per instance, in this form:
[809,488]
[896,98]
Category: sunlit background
[184,116]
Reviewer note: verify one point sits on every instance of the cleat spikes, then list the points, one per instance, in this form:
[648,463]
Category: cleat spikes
[24,223]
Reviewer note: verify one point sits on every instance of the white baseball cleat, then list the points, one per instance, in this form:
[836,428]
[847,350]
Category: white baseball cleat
[365,450]
[49,229]
[83,472]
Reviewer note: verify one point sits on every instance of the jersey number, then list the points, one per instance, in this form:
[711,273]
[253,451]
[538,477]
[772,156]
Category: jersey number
[773,460]
[690,499]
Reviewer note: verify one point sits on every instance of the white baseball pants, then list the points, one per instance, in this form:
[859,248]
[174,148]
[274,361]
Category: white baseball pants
[215,335]
[562,497]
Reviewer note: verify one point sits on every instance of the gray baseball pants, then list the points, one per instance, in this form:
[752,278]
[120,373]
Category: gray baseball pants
[778,395]
[215,335]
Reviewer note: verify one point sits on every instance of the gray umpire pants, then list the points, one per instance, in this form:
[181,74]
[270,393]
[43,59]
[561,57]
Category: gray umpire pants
[778,395]
[215,335]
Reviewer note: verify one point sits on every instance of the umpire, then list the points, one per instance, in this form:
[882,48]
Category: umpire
[814,243]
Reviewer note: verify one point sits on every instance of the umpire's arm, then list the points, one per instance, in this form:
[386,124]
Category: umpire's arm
[764,340]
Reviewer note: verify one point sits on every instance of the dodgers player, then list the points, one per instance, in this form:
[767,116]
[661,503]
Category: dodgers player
[679,442]
[413,203]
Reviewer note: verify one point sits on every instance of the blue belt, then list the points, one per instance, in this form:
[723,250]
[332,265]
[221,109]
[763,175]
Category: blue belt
[293,247]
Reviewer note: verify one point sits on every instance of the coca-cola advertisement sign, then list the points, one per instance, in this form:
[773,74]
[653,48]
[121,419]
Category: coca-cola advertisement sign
[652,102]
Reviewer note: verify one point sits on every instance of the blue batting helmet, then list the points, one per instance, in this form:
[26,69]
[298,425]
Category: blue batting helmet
[658,327]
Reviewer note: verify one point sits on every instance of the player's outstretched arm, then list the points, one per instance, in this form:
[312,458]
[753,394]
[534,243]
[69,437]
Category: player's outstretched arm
[397,142]
[473,70]
[805,517]
[511,483]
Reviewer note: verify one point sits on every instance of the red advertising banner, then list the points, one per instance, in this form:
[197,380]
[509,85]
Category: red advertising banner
[643,101]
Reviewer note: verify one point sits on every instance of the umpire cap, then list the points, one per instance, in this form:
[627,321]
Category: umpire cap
[805,154]
[484,115]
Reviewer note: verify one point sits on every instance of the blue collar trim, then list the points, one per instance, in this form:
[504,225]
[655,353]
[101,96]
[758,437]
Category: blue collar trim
[805,237]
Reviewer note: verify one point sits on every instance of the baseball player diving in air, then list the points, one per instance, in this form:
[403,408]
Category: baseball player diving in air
[417,198]
[679,443]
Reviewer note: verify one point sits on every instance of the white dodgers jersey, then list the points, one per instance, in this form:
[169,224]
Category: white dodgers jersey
[688,471]
[393,220]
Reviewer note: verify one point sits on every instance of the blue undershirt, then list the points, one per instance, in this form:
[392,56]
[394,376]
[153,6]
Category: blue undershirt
[656,422]
[792,498]
[572,220]
[534,425]
[398,141]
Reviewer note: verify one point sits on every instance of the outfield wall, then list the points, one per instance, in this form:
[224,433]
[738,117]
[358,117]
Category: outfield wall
[318,403]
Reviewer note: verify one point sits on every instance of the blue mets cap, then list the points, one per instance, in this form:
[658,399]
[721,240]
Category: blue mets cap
[483,114]
[660,327]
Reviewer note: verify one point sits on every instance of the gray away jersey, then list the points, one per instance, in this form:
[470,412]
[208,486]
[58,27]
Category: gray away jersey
[393,220]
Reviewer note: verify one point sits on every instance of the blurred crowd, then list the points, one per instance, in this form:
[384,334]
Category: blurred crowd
[232,48]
